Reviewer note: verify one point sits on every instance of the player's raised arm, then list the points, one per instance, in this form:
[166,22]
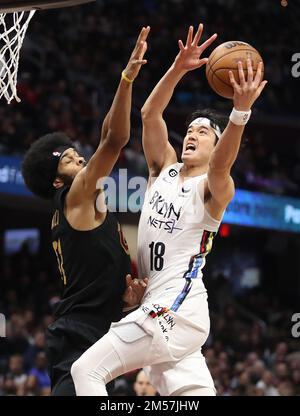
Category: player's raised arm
[158,151]
[224,154]
[116,126]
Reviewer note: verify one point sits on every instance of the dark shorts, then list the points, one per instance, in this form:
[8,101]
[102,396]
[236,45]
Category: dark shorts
[67,339]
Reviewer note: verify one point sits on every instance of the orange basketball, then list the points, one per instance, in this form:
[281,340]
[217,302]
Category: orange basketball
[224,58]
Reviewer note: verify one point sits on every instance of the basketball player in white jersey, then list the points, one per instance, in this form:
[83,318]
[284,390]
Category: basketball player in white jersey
[183,208]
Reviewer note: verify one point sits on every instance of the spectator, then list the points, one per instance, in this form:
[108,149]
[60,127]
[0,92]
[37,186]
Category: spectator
[15,380]
[267,384]
[38,382]
[142,386]
[37,346]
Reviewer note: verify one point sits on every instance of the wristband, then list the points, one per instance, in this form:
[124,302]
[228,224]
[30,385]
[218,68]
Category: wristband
[240,118]
[126,78]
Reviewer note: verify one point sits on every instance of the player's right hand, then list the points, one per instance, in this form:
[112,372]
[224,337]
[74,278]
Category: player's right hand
[137,57]
[190,53]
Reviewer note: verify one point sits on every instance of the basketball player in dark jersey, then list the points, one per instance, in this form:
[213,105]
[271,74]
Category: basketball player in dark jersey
[92,254]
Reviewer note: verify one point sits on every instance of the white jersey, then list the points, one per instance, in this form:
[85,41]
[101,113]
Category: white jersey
[175,234]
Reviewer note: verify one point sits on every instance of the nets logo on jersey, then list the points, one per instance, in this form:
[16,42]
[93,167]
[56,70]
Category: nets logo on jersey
[173,173]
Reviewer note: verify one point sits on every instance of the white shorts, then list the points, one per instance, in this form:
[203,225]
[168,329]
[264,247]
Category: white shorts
[170,377]
[174,358]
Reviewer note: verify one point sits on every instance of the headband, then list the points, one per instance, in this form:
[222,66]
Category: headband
[206,122]
[56,157]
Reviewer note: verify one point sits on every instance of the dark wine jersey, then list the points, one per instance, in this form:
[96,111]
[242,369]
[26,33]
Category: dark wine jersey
[92,265]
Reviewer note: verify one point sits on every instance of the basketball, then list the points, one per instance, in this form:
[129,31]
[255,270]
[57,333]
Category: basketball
[224,58]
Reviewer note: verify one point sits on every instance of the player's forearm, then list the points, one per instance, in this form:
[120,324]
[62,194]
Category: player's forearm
[116,128]
[245,93]
[227,148]
[162,93]
[105,124]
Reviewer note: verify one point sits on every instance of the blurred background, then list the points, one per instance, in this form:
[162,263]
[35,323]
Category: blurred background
[70,65]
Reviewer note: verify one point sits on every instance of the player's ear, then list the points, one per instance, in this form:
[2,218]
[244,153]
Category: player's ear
[58,183]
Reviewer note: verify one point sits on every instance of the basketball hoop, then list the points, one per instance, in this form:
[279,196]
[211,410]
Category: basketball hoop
[15,16]
[11,41]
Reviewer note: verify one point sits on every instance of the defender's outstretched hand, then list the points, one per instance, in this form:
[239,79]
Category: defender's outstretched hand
[137,57]
[135,289]
[247,91]
[189,57]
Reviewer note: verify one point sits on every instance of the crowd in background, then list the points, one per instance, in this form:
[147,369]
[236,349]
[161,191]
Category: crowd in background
[250,350]
[72,59]
[70,66]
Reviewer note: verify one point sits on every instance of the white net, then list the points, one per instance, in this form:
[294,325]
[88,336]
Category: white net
[13,27]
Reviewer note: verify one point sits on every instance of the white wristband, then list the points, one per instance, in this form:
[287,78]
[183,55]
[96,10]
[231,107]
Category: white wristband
[240,118]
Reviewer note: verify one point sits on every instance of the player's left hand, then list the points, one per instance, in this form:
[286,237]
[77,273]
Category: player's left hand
[137,57]
[135,289]
[247,91]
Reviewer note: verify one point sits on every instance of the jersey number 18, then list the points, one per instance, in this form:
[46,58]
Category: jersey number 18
[157,251]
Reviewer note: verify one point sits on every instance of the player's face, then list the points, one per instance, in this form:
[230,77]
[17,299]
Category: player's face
[70,164]
[198,144]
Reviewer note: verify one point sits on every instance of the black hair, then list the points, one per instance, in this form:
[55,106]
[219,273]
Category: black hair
[216,118]
[39,168]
